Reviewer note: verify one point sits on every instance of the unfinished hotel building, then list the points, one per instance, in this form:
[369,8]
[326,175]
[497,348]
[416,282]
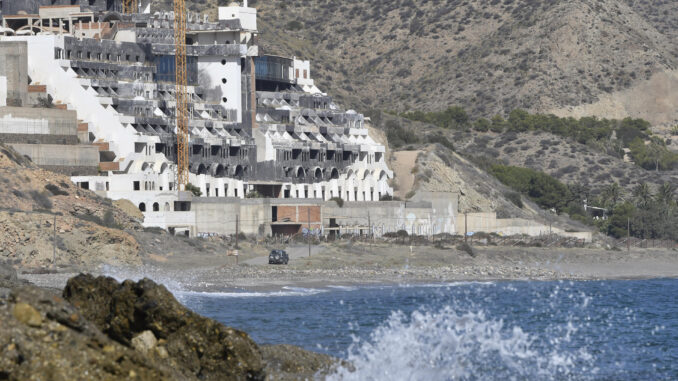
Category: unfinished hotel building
[258,124]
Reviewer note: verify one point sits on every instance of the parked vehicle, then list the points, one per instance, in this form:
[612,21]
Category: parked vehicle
[278,257]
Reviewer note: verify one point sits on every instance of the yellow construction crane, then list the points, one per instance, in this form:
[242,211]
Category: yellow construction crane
[181,93]
[129,6]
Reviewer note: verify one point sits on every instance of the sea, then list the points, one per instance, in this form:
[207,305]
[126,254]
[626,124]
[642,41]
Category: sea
[513,330]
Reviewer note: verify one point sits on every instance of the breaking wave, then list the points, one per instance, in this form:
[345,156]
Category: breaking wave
[445,345]
[285,291]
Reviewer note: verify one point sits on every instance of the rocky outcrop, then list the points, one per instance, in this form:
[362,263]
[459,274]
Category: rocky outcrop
[130,330]
[287,363]
[43,337]
[8,277]
[140,313]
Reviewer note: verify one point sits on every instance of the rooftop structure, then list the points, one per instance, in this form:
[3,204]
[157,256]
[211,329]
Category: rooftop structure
[258,124]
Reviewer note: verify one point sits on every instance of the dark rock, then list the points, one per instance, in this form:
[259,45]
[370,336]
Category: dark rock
[35,344]
[287,362]
[8,277]
[197,346]
[7,273]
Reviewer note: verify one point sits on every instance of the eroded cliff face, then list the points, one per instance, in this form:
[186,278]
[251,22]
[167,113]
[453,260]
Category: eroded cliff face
[89,229]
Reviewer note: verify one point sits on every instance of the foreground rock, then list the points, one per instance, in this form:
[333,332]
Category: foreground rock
[287,363]
[42,337]
[114,331]
[144,312]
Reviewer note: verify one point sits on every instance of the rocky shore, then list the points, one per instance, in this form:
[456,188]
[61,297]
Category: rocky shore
[100,329]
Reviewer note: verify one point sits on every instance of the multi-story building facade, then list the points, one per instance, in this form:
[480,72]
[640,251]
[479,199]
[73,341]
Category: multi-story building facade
[258,124]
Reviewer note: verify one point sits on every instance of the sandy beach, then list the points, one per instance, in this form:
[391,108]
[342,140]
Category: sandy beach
[340,264]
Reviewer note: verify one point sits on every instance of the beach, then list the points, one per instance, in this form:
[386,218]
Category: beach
[360,263]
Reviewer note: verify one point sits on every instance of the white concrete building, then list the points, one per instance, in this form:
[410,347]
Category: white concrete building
[258,124]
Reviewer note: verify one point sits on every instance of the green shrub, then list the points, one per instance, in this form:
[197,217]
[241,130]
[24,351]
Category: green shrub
[254,194]
[543,189]
[42,199]
[453,117]
[193,189]
[515,198]
[398,136]
[338,200]
[294,25]
[440,139]
[465,247]
[55,190]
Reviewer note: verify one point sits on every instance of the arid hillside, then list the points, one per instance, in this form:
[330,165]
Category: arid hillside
[487,56]
[89,230]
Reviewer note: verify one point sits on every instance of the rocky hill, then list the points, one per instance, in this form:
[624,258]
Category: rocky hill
[489,57]
[574,57]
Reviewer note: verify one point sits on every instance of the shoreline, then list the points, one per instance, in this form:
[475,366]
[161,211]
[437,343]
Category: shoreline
[359,264]
[272,284]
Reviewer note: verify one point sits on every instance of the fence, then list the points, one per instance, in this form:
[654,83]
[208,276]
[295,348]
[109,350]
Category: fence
[645,243]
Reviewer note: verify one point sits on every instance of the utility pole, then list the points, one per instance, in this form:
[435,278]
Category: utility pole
[628,234]
[237,229]
[308,219]
[369,223]
[54,245]
[465,226]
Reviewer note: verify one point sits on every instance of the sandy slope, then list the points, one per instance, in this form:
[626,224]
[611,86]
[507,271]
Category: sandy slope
[402,164]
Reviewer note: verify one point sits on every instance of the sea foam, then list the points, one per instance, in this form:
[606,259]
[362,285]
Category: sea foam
[446,345]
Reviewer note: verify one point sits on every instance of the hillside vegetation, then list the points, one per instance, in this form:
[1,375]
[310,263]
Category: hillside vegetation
[488,56]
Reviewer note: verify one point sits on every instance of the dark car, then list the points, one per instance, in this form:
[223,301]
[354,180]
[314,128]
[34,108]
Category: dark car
[278,257]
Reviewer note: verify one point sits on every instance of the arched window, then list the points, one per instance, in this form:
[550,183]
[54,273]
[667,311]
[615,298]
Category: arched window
[167,207]
[156,207]
[142,207]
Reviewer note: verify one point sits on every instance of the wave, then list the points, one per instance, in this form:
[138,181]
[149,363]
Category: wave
[444,345]
[285,291]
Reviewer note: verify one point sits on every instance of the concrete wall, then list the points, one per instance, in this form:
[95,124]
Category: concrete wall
[211,76]
[247,16]
[3,91]
[38,121]
[420,218]
[52,155]
[489,223]
[14,66]
[215,215]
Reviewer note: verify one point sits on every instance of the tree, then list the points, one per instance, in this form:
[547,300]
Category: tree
[642,195]
[482,125]
[193,189]
[618,222]
[665,194]
[612,194]
[498,124]
[520,121]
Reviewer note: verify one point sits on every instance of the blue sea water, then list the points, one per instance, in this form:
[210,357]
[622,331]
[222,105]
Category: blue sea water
[589,330]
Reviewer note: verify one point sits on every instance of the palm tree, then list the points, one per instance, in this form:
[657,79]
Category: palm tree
[612,193]
[665,194]
[643,195]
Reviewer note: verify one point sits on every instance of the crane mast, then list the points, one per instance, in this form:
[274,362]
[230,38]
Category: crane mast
[181,94]
[129,6]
